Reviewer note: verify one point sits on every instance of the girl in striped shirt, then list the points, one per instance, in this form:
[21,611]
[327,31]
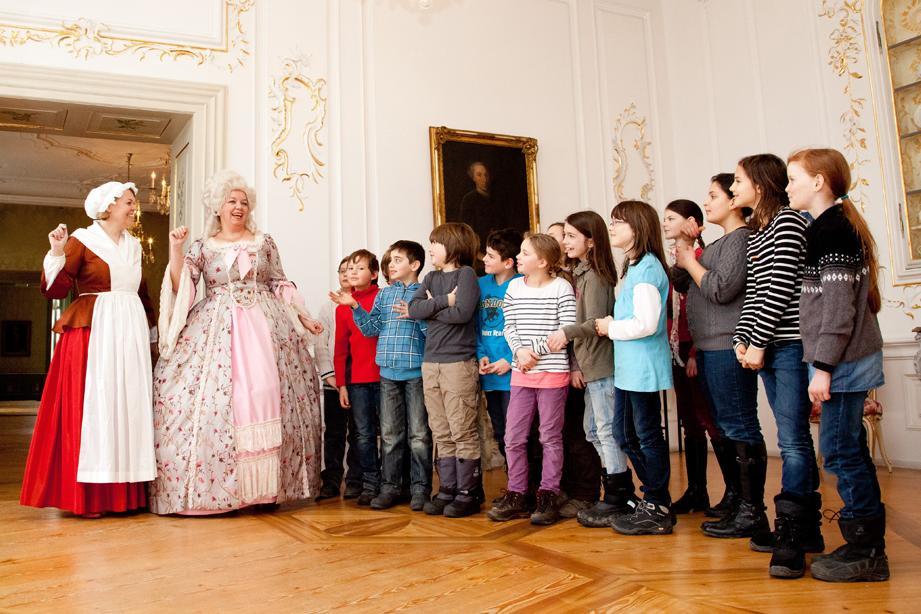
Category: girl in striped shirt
[535,306]
[767,338]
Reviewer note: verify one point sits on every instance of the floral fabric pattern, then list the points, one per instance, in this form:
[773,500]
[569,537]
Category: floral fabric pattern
[196,438]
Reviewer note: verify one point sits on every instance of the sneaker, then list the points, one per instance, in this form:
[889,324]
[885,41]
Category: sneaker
[573,506]
[365,498]
[850,563]
[327,491]
[648,519]
[510,506]
[547,512]
[417,502]
[352,491]
[383,501]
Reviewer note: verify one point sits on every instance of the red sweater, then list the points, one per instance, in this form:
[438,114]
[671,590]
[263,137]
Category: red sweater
[354,356]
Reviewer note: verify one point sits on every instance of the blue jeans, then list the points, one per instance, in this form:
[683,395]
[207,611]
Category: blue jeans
[638,429]
[786,382]
[843,441]
[365,400]
[733,394]
[403,418]
[599,424]
[497,407]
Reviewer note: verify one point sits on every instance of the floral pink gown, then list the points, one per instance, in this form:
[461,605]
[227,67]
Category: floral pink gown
[236,396]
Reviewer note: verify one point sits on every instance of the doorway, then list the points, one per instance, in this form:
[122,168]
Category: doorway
[59,138]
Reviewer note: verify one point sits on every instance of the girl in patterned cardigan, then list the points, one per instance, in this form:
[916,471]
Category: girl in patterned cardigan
[843,345]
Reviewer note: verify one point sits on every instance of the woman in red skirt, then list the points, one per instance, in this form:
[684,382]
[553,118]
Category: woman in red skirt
[92,448]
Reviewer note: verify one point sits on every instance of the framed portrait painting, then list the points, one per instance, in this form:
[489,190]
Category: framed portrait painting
[486,180]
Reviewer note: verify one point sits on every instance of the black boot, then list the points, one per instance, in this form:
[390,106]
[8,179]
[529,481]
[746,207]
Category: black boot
[619,498]
[789,558]
[695,498]
[725,451]
[748,519]
[862,559]
[447,486]
[813,542]
[470,494]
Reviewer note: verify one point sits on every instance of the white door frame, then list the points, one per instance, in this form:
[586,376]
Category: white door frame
[204,102]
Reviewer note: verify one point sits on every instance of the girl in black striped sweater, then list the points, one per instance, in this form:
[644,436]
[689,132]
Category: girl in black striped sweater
[767,338]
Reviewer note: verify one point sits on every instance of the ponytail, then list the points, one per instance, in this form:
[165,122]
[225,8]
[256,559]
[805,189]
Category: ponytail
[868,244]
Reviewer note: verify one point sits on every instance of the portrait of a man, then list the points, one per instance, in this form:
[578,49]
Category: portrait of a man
[485,180]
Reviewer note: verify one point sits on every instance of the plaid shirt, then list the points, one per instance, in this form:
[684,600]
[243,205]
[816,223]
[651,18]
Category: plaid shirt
[400,341]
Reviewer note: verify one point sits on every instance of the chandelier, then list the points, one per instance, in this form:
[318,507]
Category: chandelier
[161,201]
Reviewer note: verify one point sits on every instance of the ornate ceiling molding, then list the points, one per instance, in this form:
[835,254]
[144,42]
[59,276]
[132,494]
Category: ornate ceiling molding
[85,38]
[298,109]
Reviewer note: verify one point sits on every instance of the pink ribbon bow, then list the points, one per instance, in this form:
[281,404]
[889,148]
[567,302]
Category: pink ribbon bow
[289,294]
[241,255]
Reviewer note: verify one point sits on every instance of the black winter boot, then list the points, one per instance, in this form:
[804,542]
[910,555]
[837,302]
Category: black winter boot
[725,451]
[813,542]
[862,559]
[619,498]
[695,498]
[447,486]
[789,558]
[470,494]
[748,519]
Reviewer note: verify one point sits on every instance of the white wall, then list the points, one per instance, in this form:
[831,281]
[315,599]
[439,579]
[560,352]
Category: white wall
[712,79]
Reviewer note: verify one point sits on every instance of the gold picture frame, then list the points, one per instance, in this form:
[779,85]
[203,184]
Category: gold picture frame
[509,199]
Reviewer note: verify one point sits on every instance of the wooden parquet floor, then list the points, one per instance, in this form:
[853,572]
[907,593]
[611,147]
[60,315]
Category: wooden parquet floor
[336,556]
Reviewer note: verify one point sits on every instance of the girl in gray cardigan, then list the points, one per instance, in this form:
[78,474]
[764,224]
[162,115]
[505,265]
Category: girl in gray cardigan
[588,253]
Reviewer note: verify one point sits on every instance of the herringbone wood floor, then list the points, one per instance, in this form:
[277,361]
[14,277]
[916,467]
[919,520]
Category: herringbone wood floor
[336,556]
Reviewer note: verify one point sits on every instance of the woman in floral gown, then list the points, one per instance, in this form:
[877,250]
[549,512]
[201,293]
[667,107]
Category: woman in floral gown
[236,397]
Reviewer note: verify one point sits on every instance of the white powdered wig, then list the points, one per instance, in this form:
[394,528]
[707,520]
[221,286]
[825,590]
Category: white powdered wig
[216,191]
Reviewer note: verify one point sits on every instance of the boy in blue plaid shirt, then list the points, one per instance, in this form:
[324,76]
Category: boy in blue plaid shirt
[400,346]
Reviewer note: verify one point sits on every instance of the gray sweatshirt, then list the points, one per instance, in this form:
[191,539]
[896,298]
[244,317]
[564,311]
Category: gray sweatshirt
[451,334]
[715,306]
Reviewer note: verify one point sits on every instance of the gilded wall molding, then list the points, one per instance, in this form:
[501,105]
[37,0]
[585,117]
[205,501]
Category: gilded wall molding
[85,38]
[629,119]
[298,107]
[844,57]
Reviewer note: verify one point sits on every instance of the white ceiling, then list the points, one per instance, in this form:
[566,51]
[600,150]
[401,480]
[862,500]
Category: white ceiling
[53,153]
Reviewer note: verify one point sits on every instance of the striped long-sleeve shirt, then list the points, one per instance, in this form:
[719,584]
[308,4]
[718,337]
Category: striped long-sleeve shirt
[531,314]
[774,262]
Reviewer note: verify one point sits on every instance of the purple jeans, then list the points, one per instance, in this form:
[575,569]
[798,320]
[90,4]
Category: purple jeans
[550,405]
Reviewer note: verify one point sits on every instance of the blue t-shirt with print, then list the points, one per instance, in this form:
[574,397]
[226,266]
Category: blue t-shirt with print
[490,331]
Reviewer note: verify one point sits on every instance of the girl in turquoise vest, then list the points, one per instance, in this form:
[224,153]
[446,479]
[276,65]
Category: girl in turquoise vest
[642,365]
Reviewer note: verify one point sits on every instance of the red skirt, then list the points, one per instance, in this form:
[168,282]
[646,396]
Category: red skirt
[50,479]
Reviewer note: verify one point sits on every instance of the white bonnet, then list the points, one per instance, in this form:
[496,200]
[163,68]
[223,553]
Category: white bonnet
[99,199]
[217,188]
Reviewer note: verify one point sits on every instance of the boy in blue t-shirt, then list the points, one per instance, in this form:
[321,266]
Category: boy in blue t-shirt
[493,353]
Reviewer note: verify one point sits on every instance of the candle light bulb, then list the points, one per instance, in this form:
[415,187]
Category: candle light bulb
[153,179]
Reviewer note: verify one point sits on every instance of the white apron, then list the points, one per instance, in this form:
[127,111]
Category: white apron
[117,436]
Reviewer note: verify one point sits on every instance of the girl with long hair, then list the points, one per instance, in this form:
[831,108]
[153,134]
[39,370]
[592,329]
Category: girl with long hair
[588,253]
[767,339]
[842,344]
[642,368]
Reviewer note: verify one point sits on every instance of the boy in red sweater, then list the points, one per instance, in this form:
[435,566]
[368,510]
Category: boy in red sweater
[357,372]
